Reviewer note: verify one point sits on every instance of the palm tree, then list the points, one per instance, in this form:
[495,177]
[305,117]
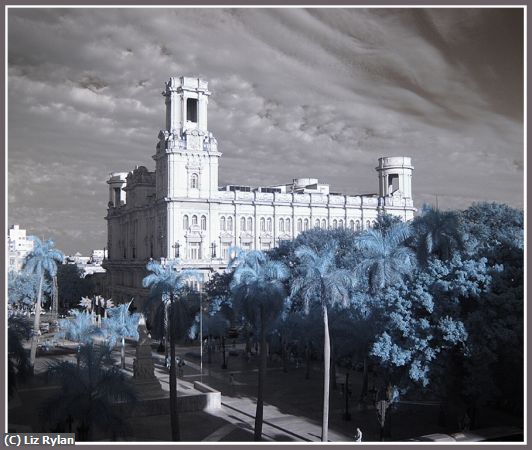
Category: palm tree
[87,394]
[80,329]
[320,281]
[438,233]
[384,259]
[119,325]
[165,283]
[259,293]
[18,330]
[41,260]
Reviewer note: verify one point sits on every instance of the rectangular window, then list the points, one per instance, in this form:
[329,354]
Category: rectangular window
[117,196]
[194,250]
[224,250]
[393,183]
[192,110]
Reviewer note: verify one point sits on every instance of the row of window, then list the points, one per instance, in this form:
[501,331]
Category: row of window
[246,224]
[194,222]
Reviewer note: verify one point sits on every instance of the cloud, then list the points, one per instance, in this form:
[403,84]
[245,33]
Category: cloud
[295,92]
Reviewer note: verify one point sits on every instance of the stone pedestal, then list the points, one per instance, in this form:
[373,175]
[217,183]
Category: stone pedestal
[144,378]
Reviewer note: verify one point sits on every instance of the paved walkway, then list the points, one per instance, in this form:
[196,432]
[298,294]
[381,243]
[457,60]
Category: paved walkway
[237,414]
[292,409]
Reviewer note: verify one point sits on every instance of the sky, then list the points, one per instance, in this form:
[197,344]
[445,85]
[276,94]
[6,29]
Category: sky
[296,92]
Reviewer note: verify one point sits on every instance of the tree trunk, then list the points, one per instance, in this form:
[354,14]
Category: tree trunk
[326,376]
[55,299]
[333,369]
[174,419]
[365,376]
[36,325]
[262,374]
[307,359]
[166,334]
[78,357]
[284,355]
[123,353]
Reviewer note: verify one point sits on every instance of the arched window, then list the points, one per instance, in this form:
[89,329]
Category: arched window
[243,224]
[262,224]
[194,181]
[269,224]
[335,224]
[250,224]
[317,223]
[185,222]
[306,224]
[352,225]
[340,223]
[194,220]
[358,225]
[324,224]
[287,225]
[229,223]
[203,223]
[281,225]
[299,225]
[222,223]
[367,224]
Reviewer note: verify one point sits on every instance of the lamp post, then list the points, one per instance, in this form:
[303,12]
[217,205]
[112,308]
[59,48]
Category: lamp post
[201,330]
[176,249]
[224,364]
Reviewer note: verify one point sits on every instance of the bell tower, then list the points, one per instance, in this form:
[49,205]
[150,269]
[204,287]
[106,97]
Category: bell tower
[395,176]
[187,153]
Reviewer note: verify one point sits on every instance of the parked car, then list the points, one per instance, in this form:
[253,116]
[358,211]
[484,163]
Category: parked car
[492,434]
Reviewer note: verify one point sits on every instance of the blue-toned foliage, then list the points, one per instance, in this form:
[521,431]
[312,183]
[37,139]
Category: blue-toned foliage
[79,328]
[384,257]
[89,393]
[23,288]
[120,323]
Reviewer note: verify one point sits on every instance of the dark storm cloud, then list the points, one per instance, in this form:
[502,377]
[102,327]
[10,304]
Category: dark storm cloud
[317,92]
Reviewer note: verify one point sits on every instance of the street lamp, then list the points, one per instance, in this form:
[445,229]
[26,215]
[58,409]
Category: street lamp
[176,249]
[201,330]
[224,364]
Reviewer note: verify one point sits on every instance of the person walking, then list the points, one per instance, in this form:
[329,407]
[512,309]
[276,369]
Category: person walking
[358,435]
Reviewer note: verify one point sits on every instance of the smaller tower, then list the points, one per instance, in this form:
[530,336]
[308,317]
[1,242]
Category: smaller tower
[117,195]
[395,176]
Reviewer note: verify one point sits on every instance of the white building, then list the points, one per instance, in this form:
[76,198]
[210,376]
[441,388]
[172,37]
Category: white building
[89,265]
[18,247]
[179,211]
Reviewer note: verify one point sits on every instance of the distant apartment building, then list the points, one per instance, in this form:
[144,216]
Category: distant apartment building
[18,247]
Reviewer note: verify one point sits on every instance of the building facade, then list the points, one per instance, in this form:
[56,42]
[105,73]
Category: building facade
[179,211]
[18,247]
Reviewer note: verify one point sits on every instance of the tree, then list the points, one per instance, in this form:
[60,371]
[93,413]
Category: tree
[319,281]
[119,325]
[384,258]
[18,366]
[166,283]
[259,293]
[71,286]
[41,260]
[87,393]
[437,233]
[22,289]
[80,328]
